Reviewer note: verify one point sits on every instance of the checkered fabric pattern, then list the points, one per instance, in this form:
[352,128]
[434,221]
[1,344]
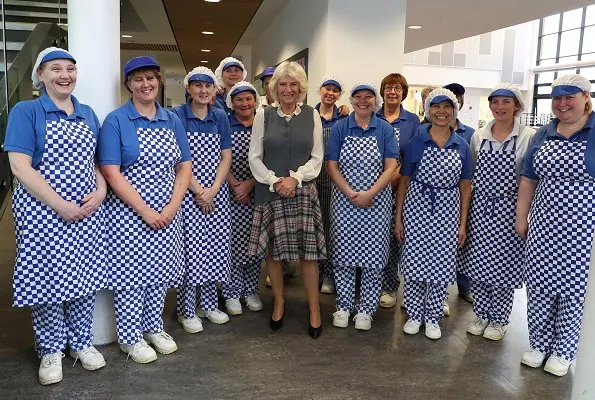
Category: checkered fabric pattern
[209,300]
[491,302]
[137,254]
[369,291]
[138,310]
[562,220]
[243,281]
[493,253]
[289,229]
[390,277]
[186,300]
[431,227]
[58,261]
[554,323]
[360,236]
[67,324]
[424,302]
[324,186]
[206,236]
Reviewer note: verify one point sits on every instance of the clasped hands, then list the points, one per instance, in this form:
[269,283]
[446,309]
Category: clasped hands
[286,186]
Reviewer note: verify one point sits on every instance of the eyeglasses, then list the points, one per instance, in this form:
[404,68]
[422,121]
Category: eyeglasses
[397,89]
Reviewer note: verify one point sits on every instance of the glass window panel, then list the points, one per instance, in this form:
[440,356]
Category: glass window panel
[549,45]
[551,24]
[588,57]
[545,77]
[572,19]
[569,42]
[544,89]
[544,106]
[589,40]
[568,59]
[590,18]
[588,73]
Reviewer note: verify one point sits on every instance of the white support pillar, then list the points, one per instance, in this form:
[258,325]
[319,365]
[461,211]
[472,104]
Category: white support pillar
[583,387]
[94,40]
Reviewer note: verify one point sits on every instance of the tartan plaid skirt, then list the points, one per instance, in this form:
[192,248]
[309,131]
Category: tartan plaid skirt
[289,229]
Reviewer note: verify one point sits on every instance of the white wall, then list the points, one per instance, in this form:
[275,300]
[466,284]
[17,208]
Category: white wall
[244,53]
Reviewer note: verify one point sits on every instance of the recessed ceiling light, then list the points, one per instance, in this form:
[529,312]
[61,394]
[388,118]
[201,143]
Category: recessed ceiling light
[205,50]
[212,1]
[207,33]
[204,61]
[414,27]
[126,36]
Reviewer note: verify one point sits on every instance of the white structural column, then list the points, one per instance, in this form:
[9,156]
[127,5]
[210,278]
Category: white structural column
[365,39]
[94,40]
[583,387]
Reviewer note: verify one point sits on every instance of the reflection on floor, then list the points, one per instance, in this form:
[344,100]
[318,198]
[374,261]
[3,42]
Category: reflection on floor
[243,359]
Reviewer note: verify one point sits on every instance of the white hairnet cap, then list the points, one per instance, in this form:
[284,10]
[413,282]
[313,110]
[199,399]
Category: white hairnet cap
[367,86]
[509,90]
[61,53]
[229,61]
[570,84]
[332,80]
[240,87]
[438,96]
[199,71]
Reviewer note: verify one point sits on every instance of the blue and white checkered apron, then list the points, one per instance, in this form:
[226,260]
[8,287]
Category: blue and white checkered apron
[58,261]
[431,218]
[206,236]
[139,255]
[562,221]
[494,252]
[360,236]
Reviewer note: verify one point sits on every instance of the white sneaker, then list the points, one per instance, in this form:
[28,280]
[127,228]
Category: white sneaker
[341,319]
[191,325]
[90,358]
[162,342]
[216,316]
[267,281]
[477,326]
[533,358]
[411,326]
[50,368]
[388,299]
[433,331]
[446,309]
[328,286]
[557,366]
[253,302]
[140,352]
[495,331]
[363,322]
[233,306]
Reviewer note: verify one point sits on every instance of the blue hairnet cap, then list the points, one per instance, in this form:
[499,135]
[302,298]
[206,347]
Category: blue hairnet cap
[232,64]
[501,92]
[58,55]
[201,78]
[242,88]
[565,90]
[331,82]
[440,98]
[268,71]
[456,88]
[140,62]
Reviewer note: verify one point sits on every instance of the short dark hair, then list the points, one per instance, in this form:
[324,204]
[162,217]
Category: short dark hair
[394,79]
[456,88]
[154,71]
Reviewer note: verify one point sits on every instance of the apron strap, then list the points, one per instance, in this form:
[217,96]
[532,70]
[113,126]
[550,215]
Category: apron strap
[430,191]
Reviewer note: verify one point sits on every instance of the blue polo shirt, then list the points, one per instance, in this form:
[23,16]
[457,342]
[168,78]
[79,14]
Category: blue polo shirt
[464,131]
[405,127]
[328,123]
[385,137]
[237,126]
[215,122]
[550,132]
[420,142]
[118,140]
[221,103]
[26,131]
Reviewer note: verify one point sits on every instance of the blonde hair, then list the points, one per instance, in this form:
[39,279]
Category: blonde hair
[293,70]
[588,104]
[147,72]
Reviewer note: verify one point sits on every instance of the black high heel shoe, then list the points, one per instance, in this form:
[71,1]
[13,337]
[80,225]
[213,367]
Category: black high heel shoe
[276,325]
[314,332]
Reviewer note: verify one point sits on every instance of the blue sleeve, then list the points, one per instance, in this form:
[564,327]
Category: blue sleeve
[96,128]
[391,145]
[527,171]
[407,166]
[333,146]
[181,138]
[225,132]
[109,148]
[20,133]
[468,163]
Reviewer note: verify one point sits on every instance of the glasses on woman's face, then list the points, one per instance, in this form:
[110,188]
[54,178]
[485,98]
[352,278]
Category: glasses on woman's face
[396,89]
